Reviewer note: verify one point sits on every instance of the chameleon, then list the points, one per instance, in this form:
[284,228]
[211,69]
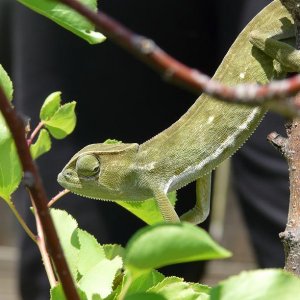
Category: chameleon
[207,134]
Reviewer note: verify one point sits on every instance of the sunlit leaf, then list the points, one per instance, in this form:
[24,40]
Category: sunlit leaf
[10,168]
[68,18]
[165,244]
[147,210]
[269,284]
[42,144]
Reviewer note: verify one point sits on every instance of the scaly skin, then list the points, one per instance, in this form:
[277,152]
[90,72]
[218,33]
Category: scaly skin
[201,139]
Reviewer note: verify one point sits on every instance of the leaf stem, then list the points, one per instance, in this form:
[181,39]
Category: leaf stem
[21,221]
[35,132]
[41,243]
[57,197]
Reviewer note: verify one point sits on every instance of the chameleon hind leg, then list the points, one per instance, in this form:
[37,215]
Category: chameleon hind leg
[201,210]
[278,47]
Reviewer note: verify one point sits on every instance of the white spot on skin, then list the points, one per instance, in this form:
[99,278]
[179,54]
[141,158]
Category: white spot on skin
[147,167]
[242,75]
[210,119]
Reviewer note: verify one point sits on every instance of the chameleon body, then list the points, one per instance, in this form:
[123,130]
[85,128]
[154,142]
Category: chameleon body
[208,133]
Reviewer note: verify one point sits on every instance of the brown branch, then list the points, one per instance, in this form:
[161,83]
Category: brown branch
[192,79]
[34,184]
[291,236]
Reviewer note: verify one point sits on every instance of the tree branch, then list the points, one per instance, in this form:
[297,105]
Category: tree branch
[291,236]
[34,184]
[273,95]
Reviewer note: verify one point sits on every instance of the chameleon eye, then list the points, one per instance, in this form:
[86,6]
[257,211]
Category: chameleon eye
[87,166]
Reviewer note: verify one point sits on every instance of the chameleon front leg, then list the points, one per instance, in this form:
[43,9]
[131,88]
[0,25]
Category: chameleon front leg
[166,208]
[285,54]
[201,210]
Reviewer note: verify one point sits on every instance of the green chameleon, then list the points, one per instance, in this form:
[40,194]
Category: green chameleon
[208,133]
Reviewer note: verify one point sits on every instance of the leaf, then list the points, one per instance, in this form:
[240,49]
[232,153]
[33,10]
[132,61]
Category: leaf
[147,210]
[165,244]
[144,282]
[42,145]
[112,142]
[66,227]
[50,106]
[60,120]
[6,84]
[10,168]
[113,250]
[68,18]
[174,288]
[58,294]
[63,121]
[100,278]
[145,296]
[259,285]
[91,252]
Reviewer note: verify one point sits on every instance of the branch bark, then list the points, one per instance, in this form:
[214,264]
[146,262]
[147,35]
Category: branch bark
[33,182]
[273,96]
[291,236]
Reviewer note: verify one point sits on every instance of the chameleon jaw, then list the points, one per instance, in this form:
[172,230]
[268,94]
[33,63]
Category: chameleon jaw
[65,181]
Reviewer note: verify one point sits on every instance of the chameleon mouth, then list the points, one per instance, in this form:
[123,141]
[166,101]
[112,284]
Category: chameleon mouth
[68,180]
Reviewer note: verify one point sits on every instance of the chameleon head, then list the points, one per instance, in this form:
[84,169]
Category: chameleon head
[100,171]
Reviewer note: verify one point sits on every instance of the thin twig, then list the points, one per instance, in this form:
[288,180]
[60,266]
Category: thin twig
[35,132]
[41,243]
[34,184]
[192,79]
[57,197]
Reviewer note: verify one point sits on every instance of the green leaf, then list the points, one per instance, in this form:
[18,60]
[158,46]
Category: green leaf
[113,250]
[63,121]
[269,284]
[6,84]
[68,18]
[66,227]
[144,282]
[91,252]
[58,294]
[174,288]
[60,120]
[50,106]
[42,145]
[112,142]
[100,278]
[145,296]
[147,210]
[10,168]
[165,244]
